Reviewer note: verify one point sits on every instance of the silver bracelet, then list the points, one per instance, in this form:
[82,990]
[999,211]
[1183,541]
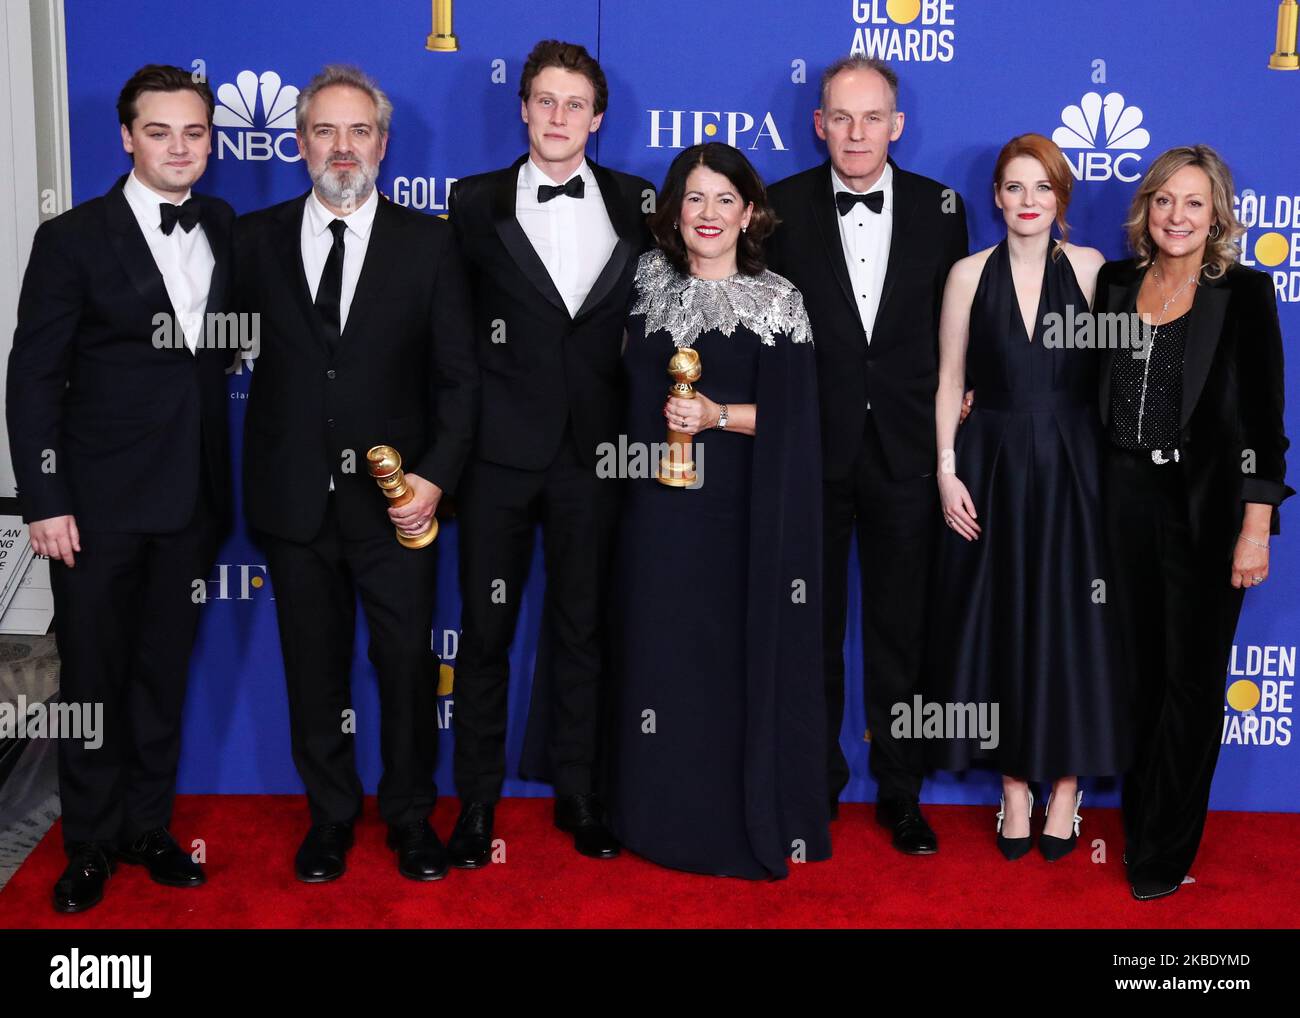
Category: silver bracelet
[1257,544]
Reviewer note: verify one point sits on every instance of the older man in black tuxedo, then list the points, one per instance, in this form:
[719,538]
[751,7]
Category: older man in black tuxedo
[870,246]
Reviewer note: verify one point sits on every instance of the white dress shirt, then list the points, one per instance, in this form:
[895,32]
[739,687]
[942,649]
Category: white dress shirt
[317,240]
[865,236]
[184,259]
[573,236]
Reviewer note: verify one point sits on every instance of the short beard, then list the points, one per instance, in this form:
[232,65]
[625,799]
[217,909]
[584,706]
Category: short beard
[345,189]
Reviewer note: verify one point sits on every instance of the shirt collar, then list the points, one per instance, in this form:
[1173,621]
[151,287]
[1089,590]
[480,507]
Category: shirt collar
[531,175]
[147,204]
[885,184]
[358,222]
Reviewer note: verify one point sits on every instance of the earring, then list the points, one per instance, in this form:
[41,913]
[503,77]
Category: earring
[1215,231]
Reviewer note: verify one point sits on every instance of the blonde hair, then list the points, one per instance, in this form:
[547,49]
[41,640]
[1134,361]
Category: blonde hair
[1220,251]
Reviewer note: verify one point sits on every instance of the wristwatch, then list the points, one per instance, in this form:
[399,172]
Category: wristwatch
[722,417]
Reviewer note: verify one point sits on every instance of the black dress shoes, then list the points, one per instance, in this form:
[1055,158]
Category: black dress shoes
[470,846]
[581,816]
[82,884]
[1149,888]
[420,854]
[324,853]
[912,834]
[165,860]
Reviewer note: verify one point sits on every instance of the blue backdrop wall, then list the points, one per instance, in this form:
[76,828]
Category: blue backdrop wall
[1116,81]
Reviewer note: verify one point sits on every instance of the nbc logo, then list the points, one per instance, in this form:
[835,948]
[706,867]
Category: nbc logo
[256,101]
[1259,700]
[1107,136]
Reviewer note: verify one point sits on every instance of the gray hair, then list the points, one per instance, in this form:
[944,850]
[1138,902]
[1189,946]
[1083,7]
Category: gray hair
[344,74]
[860,64]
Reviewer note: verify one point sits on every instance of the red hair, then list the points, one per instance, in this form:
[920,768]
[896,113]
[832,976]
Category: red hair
[1054,164]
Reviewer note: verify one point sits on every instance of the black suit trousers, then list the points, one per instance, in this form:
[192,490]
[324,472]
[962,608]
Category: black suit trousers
[498,510]
[896,522]
[125,618]
[316,587]
[1179,612]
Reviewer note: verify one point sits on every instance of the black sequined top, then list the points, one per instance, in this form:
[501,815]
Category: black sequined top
[1146,393]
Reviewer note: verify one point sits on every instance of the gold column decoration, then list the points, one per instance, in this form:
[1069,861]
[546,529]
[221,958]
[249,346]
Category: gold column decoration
[442,39]
[1288,18]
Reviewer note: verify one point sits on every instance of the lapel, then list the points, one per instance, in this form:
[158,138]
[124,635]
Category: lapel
[827,218]
[1119,298]
[516,241]
[288,239]
[132,250]
[217,230]
[625,227]
[1203,329]
[383,255]
[904,205]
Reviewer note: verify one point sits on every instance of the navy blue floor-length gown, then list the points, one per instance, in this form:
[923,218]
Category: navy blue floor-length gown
[1022,617]
[719,715]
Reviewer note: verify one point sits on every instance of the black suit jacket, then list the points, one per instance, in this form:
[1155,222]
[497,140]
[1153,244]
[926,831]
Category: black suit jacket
[540,366]
[1232,399]
[898,372]
[404,374]
[104,422]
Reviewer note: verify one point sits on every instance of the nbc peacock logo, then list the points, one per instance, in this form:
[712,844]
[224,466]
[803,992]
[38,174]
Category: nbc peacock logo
[255,118]
[1101,138]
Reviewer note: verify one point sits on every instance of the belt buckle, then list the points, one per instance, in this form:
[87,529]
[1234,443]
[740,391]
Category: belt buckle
[1159,458]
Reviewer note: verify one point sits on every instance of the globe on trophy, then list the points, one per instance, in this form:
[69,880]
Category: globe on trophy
[385,465]
[677,466]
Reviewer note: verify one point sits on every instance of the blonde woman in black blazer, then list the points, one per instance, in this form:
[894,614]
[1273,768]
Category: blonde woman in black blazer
[1195,473]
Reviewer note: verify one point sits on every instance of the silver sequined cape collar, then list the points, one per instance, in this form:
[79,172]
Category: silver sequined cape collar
[685,306]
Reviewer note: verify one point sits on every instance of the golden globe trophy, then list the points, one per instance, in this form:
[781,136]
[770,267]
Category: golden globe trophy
[385,465]
[1288,20]
[677,467]
[441,39]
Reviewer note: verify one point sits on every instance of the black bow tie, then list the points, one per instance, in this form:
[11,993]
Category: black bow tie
[845,200]
[574,189]
[186,213]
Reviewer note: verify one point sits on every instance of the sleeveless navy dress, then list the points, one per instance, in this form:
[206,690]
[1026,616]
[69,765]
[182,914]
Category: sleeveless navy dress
[1022,617]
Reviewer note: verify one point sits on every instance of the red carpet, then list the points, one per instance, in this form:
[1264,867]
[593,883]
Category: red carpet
[1246,877]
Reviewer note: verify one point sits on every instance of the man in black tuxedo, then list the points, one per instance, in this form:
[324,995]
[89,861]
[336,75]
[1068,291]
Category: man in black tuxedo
[870,246]
[365,340]
[551,245]
[117,421]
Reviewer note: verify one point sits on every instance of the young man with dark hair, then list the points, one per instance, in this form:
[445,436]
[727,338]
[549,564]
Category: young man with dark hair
[117,421]
[551,245]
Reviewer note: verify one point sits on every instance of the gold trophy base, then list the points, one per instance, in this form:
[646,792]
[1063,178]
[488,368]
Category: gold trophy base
[419,540]
[1284,62]
[677,482]
[677,468]
[442,43]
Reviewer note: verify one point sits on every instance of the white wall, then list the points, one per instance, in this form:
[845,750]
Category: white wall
[35,170]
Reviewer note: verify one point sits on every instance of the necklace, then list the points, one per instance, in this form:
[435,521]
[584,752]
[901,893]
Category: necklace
[1146,368]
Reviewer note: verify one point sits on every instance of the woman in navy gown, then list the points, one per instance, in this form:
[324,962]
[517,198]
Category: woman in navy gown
[1020,616]
[719,717]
